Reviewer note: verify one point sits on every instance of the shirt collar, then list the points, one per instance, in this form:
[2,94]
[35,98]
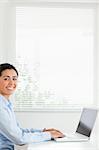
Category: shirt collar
[5,101]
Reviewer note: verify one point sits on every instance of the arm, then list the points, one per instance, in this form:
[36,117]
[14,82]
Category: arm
[19,136]
[27,130]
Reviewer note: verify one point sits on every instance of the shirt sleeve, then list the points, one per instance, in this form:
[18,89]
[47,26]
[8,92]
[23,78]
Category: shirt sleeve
[10,129]
[32,130]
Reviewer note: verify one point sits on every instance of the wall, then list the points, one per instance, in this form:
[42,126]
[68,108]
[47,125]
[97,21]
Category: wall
[97,67]
[61,120]
[7,32]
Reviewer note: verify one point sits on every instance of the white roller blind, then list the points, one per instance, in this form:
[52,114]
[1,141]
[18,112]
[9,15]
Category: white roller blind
[55,57]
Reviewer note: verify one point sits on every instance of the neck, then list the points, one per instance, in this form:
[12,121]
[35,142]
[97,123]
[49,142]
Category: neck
[5,96]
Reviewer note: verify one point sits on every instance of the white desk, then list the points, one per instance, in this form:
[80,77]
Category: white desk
[51,145]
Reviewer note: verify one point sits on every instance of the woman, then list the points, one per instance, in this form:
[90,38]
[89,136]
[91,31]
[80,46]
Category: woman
[10,131]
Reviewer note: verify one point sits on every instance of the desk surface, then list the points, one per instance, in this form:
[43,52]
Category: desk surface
[52,145]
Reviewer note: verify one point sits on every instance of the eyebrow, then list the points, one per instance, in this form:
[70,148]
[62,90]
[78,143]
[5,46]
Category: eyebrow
[9,76]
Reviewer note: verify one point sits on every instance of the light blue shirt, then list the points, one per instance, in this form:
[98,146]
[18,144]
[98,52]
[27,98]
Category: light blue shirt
[10,131]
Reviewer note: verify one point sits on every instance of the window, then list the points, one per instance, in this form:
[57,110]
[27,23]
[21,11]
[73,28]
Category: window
[55,57]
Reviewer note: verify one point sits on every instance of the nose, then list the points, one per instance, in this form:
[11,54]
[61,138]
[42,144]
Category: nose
[11,82]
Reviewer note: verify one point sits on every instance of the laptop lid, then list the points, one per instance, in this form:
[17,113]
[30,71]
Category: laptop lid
[87,121]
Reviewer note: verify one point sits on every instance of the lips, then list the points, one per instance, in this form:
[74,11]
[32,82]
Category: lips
[10,88]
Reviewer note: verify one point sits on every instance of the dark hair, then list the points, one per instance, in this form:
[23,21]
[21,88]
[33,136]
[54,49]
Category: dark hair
[7,66]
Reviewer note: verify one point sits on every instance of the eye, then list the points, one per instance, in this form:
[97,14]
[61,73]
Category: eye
[6,79]
[15,79]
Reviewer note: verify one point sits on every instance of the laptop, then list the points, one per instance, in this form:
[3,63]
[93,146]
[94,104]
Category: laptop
[84,127]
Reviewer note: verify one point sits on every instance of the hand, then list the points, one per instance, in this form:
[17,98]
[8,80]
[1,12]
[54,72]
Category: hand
[54,133]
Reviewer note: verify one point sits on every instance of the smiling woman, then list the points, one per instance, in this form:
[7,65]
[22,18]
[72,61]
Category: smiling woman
[10,131]
[8,80]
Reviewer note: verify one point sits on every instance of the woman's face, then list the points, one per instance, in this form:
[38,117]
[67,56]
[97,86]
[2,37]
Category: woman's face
[8,82]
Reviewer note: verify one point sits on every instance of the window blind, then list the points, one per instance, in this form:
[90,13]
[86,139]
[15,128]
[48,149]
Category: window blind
[55,57]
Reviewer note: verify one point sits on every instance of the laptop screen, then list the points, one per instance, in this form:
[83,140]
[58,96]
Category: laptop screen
[87,121]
